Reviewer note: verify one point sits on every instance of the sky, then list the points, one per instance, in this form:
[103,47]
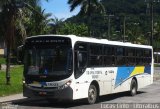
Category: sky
[58,8]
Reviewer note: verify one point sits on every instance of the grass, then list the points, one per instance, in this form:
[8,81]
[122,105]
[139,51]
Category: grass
[15,87]
[2,60]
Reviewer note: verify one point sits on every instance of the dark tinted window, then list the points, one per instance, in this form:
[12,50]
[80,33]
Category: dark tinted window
[108,55]
[139,52]
[98,55]
[143,56]
[147,56]
[109,50]
[130,52]
[95,49]
[147,53]
[130,56]
[95,56]
[120,51]
[96,60]
[130,61]
[81,47]
[120,56]
[109,60]
[80,58]
[120,60]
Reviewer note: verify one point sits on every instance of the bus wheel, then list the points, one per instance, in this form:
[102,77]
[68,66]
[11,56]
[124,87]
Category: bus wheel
[133,88]
[92,94]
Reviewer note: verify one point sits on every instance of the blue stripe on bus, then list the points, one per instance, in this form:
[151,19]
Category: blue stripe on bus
[124,73]
[147,69]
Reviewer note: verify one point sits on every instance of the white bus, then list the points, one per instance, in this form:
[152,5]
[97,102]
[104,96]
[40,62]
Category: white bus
[70,67]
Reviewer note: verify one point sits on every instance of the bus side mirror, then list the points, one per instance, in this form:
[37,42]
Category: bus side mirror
[20,54]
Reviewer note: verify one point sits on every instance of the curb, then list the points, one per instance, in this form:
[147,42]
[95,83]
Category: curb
[11,98]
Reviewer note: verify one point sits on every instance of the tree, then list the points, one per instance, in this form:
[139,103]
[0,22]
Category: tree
[10,10]
[134,10]
[37,23]
[72,28]
[56,24]
[87,7]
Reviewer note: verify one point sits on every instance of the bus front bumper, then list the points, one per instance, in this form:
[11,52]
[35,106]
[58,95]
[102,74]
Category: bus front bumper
[59,94]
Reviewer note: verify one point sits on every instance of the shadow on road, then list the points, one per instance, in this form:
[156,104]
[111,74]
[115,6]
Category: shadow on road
[44,103]
[67,104]
[111,97]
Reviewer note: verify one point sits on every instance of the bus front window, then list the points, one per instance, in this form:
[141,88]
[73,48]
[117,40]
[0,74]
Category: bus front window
[55,60]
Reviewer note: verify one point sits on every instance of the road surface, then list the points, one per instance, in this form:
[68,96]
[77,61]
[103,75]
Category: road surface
[150,94]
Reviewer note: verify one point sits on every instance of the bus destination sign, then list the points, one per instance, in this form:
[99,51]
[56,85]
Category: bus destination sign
[48,40]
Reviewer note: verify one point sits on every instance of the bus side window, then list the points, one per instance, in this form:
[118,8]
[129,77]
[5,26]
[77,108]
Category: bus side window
[147,56]
[139,57]
[80,58]
[95,55]
[120,56]
[80,63]
[108,55]
[130,56]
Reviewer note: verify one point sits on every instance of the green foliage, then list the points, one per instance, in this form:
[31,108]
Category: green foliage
[137,22]
[37,23]
[72,28]
[56,24]
[125,6]
[31,22]
[16,81]
[87,6]
[11,15]
[29,19]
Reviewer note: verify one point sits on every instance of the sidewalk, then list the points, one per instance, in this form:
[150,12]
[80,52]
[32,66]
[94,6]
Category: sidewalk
[11,98]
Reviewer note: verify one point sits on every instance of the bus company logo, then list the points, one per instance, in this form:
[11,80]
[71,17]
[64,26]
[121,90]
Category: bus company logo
[94,72]
[111,71]
[43,84]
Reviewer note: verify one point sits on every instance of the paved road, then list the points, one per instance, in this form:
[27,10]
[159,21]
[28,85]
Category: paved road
[150,94]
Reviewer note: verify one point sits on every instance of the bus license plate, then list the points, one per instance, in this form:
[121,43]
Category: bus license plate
[50,84]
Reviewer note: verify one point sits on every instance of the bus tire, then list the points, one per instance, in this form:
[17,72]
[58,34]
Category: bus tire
[92,94]
[133,87]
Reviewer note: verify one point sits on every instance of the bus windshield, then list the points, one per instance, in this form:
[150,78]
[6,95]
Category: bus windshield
[54,60]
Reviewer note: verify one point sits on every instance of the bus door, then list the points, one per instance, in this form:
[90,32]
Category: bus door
[109,62]
[109,80]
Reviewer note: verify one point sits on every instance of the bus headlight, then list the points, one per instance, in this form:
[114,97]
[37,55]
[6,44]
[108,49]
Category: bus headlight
[67,84]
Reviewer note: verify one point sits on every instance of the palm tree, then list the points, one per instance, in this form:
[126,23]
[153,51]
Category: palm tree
[38,22]
[10,10]
[87,6]
[56,24]
[9,13]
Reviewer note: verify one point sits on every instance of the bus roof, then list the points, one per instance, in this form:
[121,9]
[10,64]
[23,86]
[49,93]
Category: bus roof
[95,40]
